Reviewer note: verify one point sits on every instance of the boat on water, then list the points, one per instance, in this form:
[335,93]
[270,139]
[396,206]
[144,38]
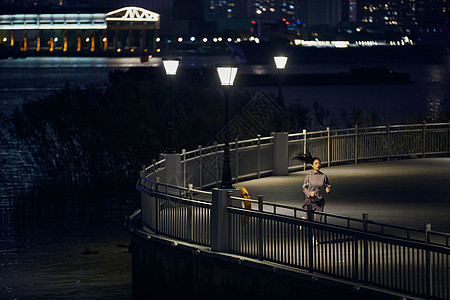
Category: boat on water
[249,52]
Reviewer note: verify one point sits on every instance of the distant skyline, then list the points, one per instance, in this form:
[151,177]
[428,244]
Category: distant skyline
[281,17]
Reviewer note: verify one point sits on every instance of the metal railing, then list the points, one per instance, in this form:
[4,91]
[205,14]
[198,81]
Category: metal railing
[413,261]
[398,258]
[253,158]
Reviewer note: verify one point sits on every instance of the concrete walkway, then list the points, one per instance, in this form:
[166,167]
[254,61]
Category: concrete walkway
[410,193]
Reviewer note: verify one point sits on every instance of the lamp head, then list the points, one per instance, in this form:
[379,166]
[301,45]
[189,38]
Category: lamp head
[280,62]
[171,65]
[227,73]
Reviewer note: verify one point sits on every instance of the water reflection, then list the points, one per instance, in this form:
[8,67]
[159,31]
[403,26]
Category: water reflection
[43,239]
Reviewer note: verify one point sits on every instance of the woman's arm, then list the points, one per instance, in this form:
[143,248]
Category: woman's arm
[327,185]
[306,187]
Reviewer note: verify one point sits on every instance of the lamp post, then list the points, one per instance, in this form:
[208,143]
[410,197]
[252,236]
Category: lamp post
[280,63]
[171,67]
[227,74]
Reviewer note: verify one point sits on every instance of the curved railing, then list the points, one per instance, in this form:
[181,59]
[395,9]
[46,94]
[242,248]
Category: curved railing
[253,158]
[407,260]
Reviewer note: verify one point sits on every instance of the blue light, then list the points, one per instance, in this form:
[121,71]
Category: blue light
[298,22]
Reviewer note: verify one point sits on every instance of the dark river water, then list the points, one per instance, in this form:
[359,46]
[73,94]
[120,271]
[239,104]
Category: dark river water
[42,239]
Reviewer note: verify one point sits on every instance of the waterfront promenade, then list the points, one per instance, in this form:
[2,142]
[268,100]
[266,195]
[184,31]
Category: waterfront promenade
[359,265]
[409,193]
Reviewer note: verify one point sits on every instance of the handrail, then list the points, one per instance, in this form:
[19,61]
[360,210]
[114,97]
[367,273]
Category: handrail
[370,257]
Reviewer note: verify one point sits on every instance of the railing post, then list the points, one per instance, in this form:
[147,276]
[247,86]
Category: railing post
[260,228]
[424,129]
[304,147]
[365,218]
[157,208]
[217,164]
[428,266]
[281,153]
[237,159]
[173,169]
[200,166]
[258,155]
[356,144]
[310,215]
[328,146]
[190,215]
[219,220]
[448,137]
[388,141]
[183,153]
[220,231]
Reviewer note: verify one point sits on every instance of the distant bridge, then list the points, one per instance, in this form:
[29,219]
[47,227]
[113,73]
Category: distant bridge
[126,28]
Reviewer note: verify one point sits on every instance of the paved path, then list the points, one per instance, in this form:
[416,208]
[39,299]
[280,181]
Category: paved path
[411,192]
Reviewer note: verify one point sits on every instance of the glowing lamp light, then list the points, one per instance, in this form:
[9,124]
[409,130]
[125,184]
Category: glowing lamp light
[280,62]
[171,66]
[227,74]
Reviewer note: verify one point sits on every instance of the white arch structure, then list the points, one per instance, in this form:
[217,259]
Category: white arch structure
[132,14]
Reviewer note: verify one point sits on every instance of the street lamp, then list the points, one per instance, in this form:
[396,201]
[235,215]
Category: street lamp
[171,67]
[227,74]
[280,63]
